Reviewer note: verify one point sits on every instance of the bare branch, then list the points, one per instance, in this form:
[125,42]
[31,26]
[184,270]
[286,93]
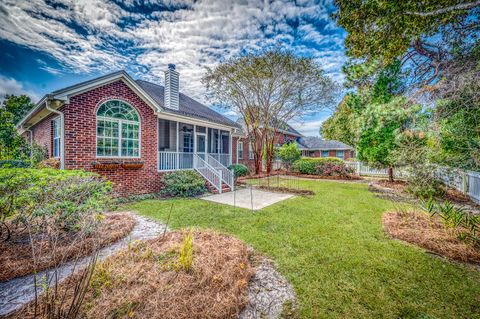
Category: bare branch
[460,6]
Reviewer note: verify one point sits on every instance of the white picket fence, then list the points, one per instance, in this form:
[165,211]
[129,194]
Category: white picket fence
[365,170]
[467,182]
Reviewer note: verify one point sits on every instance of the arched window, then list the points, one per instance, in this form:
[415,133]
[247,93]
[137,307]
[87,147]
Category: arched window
[118,130]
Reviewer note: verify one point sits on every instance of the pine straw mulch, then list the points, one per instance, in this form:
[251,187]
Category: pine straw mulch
[288,190]
[430,233]
[293,174]
[145,281]
[16,257]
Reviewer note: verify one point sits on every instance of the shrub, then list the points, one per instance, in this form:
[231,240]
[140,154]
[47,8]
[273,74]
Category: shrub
[183,184]
[65,200]
[289,153]
[310,165]
[454,217]
[333,169]
[239,170]
[14,163]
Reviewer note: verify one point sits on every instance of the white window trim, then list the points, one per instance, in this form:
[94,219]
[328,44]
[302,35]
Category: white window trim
[56,124]
[238,149]
[251,156]
[120,122]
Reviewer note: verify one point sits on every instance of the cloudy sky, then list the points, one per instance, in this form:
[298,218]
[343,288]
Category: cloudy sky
[49,44]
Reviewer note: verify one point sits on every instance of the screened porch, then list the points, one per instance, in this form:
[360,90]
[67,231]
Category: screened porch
[178,143]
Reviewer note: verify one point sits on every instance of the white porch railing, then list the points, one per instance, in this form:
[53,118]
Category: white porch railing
[228,177]
[225,159]
[208,172]
[168,161]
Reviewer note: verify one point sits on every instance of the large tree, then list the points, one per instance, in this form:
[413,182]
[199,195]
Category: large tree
[268,90]
[341,125]
[425,35]
[18,106]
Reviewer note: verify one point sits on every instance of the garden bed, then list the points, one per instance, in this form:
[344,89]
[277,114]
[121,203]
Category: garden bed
[145,281]
[430,233]
[284,173]
[16,258]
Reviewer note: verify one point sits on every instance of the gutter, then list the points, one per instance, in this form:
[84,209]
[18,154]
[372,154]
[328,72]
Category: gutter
[62,130]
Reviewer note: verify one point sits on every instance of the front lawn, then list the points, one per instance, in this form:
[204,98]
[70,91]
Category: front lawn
[333,249]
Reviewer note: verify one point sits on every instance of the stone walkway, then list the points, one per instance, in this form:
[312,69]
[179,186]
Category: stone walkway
[19,291]
[268,291]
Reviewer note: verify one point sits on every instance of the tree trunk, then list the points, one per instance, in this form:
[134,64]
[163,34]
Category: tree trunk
[390,174]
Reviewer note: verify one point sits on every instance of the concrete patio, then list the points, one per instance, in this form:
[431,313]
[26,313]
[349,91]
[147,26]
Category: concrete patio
[248,198]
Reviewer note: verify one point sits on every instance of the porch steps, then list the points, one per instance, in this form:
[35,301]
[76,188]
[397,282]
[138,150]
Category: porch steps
[212,189]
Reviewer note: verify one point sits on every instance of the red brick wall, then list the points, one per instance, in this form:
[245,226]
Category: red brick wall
[80,139]
[43,133]
[234,150]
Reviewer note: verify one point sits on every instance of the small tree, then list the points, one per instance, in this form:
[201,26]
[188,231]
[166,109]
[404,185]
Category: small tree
[289,153]
[268,90]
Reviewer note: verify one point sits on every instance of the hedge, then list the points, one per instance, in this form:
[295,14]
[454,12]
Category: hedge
[309,165]
[239,170]
[14,164]
[183,184]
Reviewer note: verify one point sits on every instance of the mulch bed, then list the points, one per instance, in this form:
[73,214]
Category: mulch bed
[144,280]
[302,192]
[16,257]
[284,173]
[430,233]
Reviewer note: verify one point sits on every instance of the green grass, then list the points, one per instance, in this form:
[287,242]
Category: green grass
[333,249]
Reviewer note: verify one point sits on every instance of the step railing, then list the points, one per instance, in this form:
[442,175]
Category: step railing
[227,175]
[212,175]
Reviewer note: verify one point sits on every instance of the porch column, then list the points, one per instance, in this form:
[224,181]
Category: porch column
[219,137]
[230,147]
[177,166]
[194,139]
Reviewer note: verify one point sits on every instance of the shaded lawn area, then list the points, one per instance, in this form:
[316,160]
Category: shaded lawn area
[333,249]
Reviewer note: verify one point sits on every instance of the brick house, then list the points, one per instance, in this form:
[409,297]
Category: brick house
[133,131]
[244,150]
[312,146]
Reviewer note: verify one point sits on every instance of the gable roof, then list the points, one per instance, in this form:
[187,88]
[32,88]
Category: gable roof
[187,106]
[151,93]
[316,143]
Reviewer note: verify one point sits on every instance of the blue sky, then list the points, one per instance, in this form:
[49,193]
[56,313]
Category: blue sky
[49,44]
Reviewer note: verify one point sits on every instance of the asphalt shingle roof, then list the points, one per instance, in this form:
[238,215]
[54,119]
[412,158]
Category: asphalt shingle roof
[187,106]
[316,143]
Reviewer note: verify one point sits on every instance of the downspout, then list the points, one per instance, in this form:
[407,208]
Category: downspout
[62,131]
[31,145]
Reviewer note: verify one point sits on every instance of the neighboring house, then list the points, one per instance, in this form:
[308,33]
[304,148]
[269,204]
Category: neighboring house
[133,131]
[312,146]
[244,149]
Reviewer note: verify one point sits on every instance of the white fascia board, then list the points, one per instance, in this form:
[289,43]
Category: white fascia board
[66,95]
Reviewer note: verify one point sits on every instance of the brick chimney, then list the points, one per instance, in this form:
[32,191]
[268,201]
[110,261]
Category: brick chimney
[171,87]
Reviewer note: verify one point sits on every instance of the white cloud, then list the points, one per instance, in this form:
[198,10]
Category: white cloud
[92,35]
[11,86]
[309,127]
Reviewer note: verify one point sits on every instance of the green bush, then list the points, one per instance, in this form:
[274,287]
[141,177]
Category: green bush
[310,165]
[14,163]
[183,184]
[289,153]
[67,200]
[239,170]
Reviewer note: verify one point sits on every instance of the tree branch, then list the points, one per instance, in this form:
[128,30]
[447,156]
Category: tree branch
[460,6]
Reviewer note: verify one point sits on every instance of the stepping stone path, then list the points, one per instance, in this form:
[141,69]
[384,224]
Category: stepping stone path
[268,291]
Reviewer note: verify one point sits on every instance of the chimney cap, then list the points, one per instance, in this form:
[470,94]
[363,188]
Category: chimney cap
[171,66]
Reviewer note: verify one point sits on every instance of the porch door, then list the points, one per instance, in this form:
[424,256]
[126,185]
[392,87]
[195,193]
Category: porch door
[201,145]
